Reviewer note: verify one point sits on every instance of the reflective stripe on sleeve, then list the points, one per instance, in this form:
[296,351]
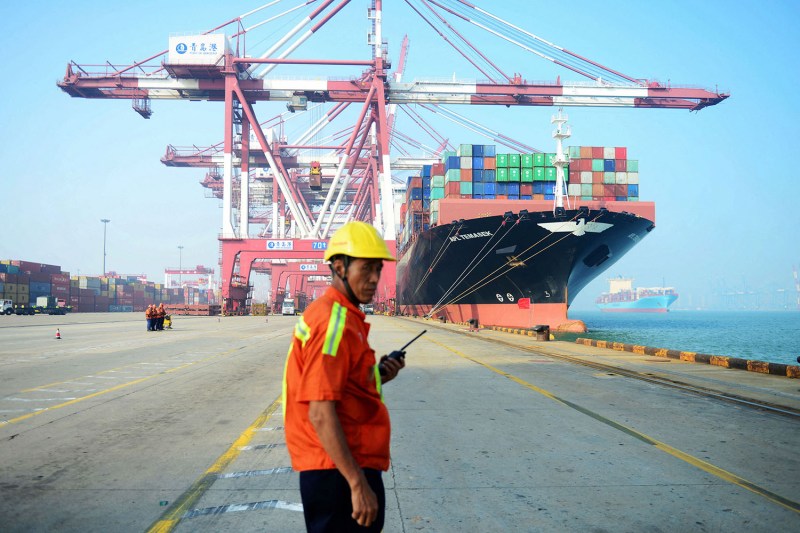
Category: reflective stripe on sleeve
[302,331]
[333,335]
[378,381]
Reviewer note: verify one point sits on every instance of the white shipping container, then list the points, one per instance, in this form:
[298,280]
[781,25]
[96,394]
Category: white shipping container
[633,178]
[621,178]
[466,162]
[586,177]
[574,189]
[198,49]
[609,152]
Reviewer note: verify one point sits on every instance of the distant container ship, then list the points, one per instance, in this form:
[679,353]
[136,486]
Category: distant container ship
[624,298]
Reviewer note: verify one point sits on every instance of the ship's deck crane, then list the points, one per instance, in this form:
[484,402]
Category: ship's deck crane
[241,81]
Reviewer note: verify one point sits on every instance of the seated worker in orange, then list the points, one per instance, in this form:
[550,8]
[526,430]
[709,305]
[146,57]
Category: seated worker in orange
[337,427]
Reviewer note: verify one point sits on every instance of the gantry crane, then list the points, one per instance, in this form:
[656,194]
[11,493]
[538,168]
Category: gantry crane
[228,74]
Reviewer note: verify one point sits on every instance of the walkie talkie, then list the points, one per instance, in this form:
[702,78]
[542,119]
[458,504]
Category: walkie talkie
[401,353]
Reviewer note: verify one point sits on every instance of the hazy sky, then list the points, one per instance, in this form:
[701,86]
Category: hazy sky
[724,179]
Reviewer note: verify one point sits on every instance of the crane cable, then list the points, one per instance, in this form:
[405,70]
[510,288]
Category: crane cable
[484,281]
[476,260]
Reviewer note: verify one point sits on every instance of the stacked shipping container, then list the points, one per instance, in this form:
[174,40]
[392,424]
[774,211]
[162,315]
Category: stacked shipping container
[477,171]
[603,173]
[23,281]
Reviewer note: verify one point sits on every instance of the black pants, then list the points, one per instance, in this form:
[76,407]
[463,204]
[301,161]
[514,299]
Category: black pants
[327,505]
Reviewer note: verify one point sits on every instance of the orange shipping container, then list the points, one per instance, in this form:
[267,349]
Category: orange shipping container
[597,177]
[586,152]
[598,189]
[489,163]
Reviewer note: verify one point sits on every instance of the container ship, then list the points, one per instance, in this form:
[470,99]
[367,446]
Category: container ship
[622,297]
[511,239]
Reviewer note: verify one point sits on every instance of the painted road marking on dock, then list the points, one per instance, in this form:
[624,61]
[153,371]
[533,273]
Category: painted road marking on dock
[683,456]
[170,519]
[253,506]
[73,401]
[261,447]
[255,473]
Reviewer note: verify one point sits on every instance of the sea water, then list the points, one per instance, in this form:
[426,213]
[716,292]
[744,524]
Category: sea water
[771,336]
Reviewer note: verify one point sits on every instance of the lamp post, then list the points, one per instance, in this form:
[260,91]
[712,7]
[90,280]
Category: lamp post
[180,265]
[105,222]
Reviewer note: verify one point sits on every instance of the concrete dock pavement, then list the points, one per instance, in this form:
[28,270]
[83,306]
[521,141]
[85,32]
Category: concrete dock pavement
[182,431]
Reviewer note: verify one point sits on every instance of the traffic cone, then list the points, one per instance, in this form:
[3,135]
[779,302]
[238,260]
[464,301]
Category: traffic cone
[58,334]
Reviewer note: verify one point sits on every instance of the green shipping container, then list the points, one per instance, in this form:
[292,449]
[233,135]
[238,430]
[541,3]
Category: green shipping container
[501,174]
[526,160]
[598,165]
[513,174]
[574,152]
[513,160]
[501,160]
[538,174]
[538,160]
[437,181]
[454,174]
[549,174]
[633,165]
[466,187]
[437,193]
[465,150]
[609,177]
[586,190]
[548,159]
[526,175]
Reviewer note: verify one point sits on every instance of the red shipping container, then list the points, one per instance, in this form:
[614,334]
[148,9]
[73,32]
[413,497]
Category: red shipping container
[40,277]
[597,152]
[50,269]
[59,278]
[416,183]
[610,198]
[415,205]
[574,177]
[489,163]
[586,152]
[466,175]
[621,165]
[8,278]
[74,300]
[437,169]
[452,188]
[598,189]
[526,188]
[597,177]
[620,152]
[501,197]
[23,278]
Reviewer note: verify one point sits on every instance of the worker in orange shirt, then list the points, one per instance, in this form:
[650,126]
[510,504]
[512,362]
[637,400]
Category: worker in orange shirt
[160,314]
[337,427]
[148,315]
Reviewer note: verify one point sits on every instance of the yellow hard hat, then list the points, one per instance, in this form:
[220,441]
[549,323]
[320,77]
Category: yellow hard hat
[359,240]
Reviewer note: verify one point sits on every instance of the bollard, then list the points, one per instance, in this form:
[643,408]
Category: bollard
[542,332]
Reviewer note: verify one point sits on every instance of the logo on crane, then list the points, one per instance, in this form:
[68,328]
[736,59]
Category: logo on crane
[181,48]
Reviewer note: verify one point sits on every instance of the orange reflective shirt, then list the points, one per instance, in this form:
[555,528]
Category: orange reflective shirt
[330,359]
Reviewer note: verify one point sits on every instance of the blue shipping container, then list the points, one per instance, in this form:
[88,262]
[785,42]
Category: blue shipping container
[426,194]
[426,171]
[426,183]
[416,193]
[513,196]
[476,196]
[488,196]
[489,187]
[538,187]
[633,190]
[549,196]
[3,268]
[622,198]
[452,162]
[40,287]
[489,150]
[513,188]
[489,175]
[477,151]
[549,188]
[477,187]
[525,197]
[608,165]
[502,188]
[477,176]
[477,162]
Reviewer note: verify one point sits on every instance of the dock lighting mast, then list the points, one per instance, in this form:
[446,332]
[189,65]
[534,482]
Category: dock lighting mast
[180,265]
[560,161]
[105,222]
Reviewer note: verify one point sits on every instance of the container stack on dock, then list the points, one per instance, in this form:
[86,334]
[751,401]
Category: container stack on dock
[24,281]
